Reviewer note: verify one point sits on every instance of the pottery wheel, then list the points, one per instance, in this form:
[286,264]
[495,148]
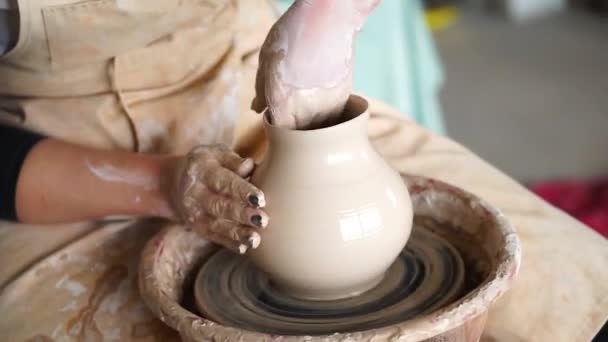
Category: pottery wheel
[427,275]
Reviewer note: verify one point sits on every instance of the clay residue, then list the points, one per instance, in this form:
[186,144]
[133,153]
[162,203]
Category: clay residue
[73,287]
[111,173]
[70,306]
[83,324]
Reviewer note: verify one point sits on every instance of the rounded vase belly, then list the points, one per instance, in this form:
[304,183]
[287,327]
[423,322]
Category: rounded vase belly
[339,215]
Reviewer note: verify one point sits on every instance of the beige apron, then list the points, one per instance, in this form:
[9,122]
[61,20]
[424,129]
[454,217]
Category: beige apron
[143,75]
[162,84]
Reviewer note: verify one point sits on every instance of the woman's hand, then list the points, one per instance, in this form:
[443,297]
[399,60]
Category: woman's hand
[206,190]
[209,193]
[306,64]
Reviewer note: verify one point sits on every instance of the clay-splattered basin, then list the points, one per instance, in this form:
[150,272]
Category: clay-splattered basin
[486,242]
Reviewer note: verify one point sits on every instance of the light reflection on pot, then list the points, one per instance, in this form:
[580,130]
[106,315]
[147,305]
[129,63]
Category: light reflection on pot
[361,223]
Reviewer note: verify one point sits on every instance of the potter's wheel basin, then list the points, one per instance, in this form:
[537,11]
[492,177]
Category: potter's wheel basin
[454,221]
[428,275]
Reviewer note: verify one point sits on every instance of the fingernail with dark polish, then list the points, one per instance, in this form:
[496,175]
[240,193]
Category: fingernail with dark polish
[257,220]
[254,200]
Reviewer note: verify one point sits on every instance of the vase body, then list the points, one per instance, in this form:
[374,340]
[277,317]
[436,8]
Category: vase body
[339,214]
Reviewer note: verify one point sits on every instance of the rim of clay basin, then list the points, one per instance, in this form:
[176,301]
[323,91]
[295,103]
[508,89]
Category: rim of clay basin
[163,298]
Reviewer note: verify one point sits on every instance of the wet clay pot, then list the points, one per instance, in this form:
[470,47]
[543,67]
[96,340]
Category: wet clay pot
[339,215]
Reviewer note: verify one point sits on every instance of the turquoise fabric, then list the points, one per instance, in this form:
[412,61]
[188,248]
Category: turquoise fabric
[397,61]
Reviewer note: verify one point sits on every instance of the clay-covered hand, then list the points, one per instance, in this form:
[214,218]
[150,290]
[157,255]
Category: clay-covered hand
[305,69]
[210,194]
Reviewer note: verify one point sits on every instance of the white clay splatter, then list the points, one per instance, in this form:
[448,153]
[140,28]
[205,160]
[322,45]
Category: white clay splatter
[58,261]
[73,287]
[255,240]
[152,129]
[113,334]
[58,334]
[123,4]
[71,306]
[225,114]
[114,301]
[110,173]
[75,329]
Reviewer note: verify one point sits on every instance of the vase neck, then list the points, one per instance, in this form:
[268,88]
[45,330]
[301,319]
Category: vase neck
[339,141]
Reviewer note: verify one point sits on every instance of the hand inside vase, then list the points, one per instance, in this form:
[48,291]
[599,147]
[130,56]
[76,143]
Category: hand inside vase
[306,64]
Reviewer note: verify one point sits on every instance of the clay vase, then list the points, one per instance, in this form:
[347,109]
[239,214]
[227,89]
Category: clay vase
[339,215]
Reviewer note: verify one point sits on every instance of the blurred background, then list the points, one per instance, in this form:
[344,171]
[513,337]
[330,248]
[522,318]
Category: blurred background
[522,83]
[526,87]
[526,84]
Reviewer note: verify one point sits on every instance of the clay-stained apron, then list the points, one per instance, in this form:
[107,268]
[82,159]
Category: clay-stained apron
[79,280]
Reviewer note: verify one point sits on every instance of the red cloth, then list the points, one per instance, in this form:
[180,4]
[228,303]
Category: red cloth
[587,201]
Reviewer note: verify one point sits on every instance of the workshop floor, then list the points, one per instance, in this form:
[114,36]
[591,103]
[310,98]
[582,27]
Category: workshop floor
[530,98]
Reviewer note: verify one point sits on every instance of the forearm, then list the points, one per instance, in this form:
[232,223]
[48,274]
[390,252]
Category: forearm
[51,181]
[62,182]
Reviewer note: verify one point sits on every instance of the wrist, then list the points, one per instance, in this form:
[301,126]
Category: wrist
[150,198]
[161,202]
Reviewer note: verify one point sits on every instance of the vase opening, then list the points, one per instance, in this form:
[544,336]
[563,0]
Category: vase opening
[354,107]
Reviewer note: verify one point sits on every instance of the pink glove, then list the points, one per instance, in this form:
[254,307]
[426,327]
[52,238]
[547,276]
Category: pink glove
[306,63]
